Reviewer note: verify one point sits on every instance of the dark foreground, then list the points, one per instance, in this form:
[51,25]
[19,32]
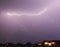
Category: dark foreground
[26,45]
[46,43]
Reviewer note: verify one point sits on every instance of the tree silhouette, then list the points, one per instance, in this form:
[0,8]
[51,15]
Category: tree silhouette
[29,44]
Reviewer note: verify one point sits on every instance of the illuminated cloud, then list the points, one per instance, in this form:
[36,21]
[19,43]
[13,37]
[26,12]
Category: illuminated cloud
[25,13]
[44,22]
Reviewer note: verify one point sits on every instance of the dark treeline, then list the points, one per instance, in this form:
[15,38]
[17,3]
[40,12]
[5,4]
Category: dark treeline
[28,44]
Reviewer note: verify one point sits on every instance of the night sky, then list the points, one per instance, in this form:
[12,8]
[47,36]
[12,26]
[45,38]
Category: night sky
[29,20]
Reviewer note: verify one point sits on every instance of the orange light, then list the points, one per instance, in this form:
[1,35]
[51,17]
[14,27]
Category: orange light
[53,42]
[46,43]
[50,44]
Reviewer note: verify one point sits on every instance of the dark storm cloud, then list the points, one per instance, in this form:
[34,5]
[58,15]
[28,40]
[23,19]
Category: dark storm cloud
[24,5]
[29,28]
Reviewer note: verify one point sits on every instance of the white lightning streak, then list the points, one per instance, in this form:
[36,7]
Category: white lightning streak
[27,14]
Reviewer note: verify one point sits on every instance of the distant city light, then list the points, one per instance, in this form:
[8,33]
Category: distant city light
[46,43]
[39,44]
[53,42]
[50,44]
